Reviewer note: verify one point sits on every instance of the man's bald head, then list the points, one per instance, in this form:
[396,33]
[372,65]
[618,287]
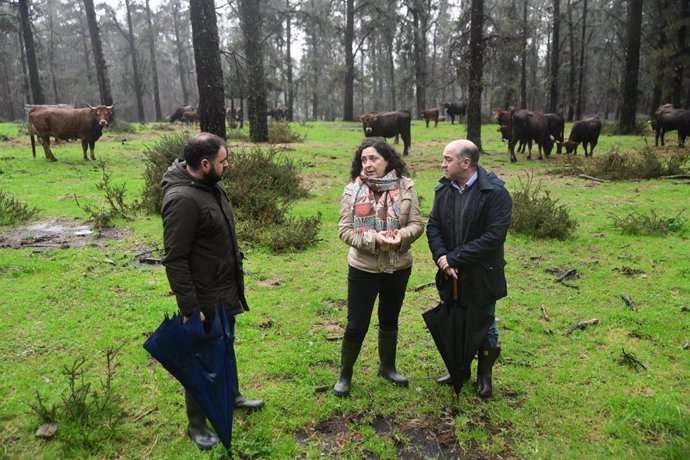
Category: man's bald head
[200,146]
[463,148]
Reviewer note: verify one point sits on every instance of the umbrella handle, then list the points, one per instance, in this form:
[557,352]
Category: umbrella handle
[455,289]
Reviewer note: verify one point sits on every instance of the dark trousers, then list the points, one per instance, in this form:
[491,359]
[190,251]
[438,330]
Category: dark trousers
[362,290]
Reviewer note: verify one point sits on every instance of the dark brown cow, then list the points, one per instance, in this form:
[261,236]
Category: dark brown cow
[527,126]
[235,116]
[430,114]
[666,118]
[503,118]
[66,124]
[455,108]
[278,114]
[388,124]
[586,132]
[556,125]
[186,114]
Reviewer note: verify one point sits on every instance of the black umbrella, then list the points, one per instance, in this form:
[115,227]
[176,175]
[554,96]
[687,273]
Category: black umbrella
[458,332]
[201,357]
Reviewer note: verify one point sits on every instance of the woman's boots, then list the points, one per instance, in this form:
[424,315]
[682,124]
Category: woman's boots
[348,356]
[197,429]
[485,363]
[388,343]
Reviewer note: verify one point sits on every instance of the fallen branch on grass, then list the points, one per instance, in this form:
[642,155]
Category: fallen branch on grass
[139,417]
[632,361]
[422,286]
[676,176]
[568,273]
[595,179]
[630,302]
[581,325]
[543,313]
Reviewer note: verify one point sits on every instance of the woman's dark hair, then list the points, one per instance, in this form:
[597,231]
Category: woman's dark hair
[385,150]
[200,146]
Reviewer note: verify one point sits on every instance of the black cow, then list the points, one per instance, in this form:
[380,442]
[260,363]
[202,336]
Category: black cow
[388,124]
[666,118]
[235,115]
[430,114]
[185,114]
[586,132]
[455,108]
[556,125]
[278,114]
[527,126]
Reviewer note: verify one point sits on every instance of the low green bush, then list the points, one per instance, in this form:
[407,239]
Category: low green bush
[157,158]
[649,223]
[116,206]
[13,211]
[118,125]
[279,132]
[538,215]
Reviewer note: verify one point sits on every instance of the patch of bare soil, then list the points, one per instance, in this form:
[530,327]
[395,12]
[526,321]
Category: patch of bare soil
[428,437]
[56,234]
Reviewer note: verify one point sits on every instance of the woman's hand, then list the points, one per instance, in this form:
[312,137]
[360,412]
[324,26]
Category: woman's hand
[388,238]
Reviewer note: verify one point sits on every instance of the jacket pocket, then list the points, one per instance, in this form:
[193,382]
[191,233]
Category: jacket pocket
[493,280]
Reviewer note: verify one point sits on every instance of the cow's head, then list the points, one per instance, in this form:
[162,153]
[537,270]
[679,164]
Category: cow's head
[570,146]
[548,146]
[505,132]
[446,105]
[369,124]
[102,113]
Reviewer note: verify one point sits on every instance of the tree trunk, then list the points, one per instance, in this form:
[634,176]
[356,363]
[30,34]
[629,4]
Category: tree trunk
[87,61]
[349,91]
[419,21]
[25,74]
[391,69]
[288,62]
[138,86]
[476,68]
[51,53]
[580,102]
[678,67]
[523,69]
[179,48]
[154,66]
[632,68]
[34,79]
[571,70]
[250,18]
[209,73]
[555,51]
[97,47]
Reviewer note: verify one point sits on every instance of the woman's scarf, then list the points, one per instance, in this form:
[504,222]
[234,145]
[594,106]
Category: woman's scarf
[372,215]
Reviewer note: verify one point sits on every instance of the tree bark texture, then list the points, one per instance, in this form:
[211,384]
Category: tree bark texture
[420,21]
[138,86]
[349,90]
[99,60]
[154,66]
[179,50]
[289,99]
[474,106]
[632,67]
[250,17]
[555,51]
[581,101]
[32,63]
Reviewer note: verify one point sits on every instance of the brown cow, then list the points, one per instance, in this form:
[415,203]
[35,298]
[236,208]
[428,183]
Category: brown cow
[666,119]
[586,132]
[66,124]
[527,126]
[234,116]
[278,114]
[430,114]
[186,114]
[388,124]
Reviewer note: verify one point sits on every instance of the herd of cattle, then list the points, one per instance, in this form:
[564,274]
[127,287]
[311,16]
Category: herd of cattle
[519,127]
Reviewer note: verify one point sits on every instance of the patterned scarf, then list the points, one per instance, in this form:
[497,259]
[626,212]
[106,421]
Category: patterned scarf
[372,215]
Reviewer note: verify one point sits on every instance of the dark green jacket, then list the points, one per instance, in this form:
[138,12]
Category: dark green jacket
[202,258]
[479,256]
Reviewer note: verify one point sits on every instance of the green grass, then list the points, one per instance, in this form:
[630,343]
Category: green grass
[556,396]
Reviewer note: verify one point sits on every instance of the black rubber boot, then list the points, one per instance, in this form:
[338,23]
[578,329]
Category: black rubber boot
[486,361]
[197,430]
[348,356]
[240,401]
[388,343]
[445,379]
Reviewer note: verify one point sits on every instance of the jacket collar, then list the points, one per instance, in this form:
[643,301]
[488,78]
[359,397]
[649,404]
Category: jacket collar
[484,180]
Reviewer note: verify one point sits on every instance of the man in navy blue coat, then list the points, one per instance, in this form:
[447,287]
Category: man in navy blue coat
[467,227]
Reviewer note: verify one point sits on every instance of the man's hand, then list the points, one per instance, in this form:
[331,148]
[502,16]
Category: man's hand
[451,272]
[185,318]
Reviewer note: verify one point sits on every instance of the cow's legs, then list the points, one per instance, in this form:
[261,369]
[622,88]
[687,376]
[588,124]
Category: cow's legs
[92,145]
[436,123]
[397,136]
[661,135]
[84,146]
[45,141]
[511,148]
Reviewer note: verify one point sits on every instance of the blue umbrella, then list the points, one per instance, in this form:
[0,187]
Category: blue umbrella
[201,357]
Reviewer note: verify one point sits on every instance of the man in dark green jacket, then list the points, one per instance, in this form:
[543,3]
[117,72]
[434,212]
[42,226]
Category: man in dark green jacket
[467,227]
[202,259]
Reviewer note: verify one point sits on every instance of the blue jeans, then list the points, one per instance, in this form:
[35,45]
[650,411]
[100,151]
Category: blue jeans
[491,337]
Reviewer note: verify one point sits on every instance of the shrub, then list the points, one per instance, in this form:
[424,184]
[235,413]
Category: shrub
[536,214]
[638,223]
[279,132]
[157,158]
[118,125]
[238,135]
[13,211]
[101,216]
[648,164]
[293,234]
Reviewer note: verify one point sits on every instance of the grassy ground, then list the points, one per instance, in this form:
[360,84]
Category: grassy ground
[556,395]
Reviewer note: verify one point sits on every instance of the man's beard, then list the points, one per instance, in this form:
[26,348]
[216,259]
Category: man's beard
[212,177]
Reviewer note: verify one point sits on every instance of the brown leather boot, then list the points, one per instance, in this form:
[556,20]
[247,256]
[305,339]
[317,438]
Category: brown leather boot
[486,361]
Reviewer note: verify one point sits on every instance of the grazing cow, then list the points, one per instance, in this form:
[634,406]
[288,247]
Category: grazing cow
[186,114]
[666,118]
[527,126]
[430,114]
[278,114]
[388,124]
[556,125]
[66,124]
[235,116]
[586,132]
[455,108]
[503,118]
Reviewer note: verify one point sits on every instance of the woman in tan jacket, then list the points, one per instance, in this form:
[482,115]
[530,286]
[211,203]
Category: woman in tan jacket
[379,220]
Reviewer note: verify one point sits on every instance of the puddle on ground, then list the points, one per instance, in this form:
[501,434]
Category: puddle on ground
[55,234]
